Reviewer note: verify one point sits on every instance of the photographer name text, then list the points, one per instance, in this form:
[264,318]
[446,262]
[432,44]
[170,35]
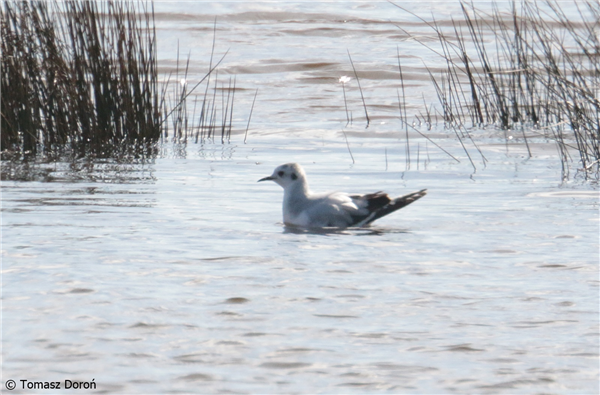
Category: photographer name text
[50,385]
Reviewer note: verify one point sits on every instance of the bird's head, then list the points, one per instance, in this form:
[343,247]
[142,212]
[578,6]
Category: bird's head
[287,175]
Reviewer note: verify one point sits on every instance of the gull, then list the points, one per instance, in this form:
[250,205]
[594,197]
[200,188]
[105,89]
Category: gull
[302,208]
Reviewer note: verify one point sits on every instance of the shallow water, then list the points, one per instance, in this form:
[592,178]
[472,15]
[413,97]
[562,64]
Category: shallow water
[176,275]
[184,279]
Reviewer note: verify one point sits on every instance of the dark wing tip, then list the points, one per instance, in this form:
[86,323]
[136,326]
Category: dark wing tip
[395,204]
[408,199]
[376,200]
[379,204]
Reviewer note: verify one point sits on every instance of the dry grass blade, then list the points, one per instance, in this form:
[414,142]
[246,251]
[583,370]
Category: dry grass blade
[360,90]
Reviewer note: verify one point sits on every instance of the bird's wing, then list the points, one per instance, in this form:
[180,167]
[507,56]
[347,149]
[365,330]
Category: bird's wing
[380,209]
[369,204]
[334,210]
[341,210]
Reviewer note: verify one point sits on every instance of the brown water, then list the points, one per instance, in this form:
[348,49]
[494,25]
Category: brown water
[177,276]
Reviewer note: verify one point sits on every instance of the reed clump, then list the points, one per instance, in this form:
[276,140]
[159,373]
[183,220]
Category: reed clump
[79,74]
[80,80]
[531,68]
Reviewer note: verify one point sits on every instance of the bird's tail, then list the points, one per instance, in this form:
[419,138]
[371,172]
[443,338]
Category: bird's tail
[398,203]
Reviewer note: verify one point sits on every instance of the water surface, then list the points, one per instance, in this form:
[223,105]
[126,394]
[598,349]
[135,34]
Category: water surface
[175,275]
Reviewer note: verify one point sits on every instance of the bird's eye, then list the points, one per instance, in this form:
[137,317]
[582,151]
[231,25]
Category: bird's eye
[280,173]
[294,176]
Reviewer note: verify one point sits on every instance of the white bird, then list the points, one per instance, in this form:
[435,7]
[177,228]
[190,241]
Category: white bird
[337,209]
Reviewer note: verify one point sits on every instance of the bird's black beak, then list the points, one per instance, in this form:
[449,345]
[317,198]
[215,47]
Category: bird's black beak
[270,178]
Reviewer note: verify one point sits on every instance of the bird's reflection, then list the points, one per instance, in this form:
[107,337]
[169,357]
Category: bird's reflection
[352,231]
